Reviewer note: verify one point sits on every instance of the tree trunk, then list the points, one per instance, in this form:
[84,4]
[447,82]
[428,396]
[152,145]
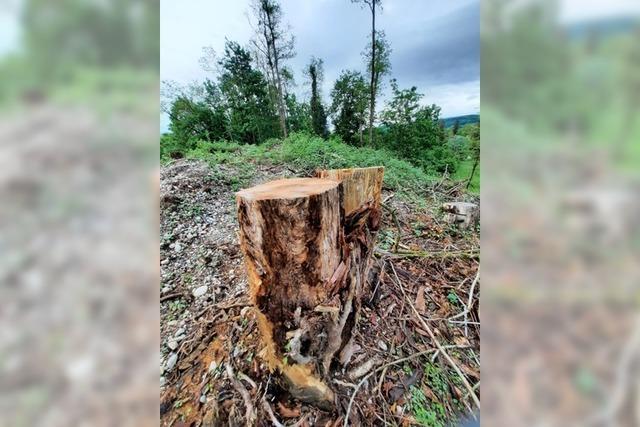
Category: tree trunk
[473,171]
[373,67]
[307,250]
[281,107]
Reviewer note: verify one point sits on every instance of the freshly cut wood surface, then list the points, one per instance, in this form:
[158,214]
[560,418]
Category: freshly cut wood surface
[291,188]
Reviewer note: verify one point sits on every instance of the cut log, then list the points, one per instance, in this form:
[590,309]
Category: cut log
[462,214]
[306,263]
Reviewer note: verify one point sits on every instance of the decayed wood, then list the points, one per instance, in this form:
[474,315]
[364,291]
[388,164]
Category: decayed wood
[362,189]
[307,257]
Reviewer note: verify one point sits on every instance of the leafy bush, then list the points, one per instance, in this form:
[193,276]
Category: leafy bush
[310,153]
[415,133]
[306,154]
[170,148]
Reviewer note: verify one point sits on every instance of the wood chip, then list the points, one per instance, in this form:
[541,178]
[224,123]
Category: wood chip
[364,369]
[420,304]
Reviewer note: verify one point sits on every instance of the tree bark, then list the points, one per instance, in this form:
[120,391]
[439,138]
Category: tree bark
[307,248]
[473,171]
[373,67]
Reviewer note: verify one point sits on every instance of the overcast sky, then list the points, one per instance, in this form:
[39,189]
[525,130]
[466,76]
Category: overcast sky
[436,43]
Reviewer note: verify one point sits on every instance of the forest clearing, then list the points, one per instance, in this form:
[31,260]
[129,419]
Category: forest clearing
[319,260]
[418,329]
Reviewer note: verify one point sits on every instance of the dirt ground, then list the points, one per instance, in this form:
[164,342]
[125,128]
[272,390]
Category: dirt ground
[416,358]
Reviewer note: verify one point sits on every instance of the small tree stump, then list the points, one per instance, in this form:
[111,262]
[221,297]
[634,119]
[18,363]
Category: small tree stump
[306,264]
[462,214]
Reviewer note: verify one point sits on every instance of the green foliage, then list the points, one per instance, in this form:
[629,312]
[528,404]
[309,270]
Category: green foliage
[456,127]
[431,414]
[382,66]
[170,148]
[251,115]
[414,132]
[462,120]
[460,146]
[274,45]
[193,120]
[311,153]
[299,115]
[453,298]
[348,107]
[306,153]
[318,115]
[463,172]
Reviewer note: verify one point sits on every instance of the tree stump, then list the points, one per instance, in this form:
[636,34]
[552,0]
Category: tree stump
[462,214]
[306,264]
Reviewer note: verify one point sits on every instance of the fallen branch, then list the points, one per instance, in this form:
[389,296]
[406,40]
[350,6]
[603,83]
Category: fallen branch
[171,296]
[473,253]
[433,337]
[467,309]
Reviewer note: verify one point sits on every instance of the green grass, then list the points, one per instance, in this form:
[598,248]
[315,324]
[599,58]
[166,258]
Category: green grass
[464,171]
[305,154]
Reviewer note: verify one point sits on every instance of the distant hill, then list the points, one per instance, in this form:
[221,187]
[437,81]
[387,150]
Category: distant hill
[463,120]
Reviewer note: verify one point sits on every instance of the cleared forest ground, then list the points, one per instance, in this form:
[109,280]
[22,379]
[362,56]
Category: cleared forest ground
[425,273]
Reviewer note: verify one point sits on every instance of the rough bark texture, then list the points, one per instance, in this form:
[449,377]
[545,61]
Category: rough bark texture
[307,248]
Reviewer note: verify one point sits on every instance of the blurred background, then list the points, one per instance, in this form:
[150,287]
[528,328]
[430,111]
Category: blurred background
[78,213]
[560,153]
[78,219]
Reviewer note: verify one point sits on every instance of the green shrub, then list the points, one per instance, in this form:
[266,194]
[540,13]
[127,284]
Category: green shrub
[310,153]
[305,154]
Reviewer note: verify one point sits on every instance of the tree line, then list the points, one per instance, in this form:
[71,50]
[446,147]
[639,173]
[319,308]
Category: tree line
[252,98]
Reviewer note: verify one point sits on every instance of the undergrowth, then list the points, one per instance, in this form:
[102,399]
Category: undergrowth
[304,154]
[426,411]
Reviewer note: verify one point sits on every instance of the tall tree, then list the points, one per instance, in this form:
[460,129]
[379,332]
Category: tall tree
[456,127]
[275,45]
[299,115]
[318,116]
[415,131]
[349,106]
[473,133]
[371,4]
[244,90]
[381,65]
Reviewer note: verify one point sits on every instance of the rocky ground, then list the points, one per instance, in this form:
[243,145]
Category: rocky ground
[417,355]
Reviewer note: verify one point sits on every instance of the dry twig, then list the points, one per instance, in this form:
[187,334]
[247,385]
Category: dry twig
[440,348]
[385,366]
[468,307]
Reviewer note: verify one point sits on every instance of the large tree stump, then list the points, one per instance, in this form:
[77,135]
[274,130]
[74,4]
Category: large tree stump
[306,263]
